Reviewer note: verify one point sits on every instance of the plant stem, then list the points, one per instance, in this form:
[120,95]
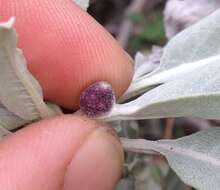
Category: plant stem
[139,146]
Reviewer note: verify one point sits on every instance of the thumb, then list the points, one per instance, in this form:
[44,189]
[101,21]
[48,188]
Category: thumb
[66,49]
[66,152]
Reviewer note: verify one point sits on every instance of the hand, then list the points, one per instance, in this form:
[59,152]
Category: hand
[66,51]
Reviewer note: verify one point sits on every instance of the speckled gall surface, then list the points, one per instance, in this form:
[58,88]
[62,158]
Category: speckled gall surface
[97,99]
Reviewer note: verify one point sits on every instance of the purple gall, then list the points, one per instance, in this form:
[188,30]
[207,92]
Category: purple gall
[97,100]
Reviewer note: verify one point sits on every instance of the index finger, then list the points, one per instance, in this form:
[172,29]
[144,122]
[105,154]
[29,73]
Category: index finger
[66,49]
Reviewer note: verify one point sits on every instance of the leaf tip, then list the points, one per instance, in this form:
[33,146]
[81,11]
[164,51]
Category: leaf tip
[8,24]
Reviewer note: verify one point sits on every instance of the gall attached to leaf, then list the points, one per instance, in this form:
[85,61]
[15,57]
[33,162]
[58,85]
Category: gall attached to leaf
[97,100]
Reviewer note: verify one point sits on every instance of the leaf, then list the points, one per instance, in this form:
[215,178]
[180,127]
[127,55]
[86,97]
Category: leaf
[54,109]
[197,44]
[195,158]
[126,184]
[9,120]
[84,4]
[183,89]
[20,93]
[195,95]
[139,60]
[146,64]
[3,132]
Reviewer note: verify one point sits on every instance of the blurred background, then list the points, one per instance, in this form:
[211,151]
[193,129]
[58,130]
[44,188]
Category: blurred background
[137,25]
[146,26]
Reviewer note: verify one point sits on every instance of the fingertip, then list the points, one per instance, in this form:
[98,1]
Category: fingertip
[66,49]
[45,149]
[97,165]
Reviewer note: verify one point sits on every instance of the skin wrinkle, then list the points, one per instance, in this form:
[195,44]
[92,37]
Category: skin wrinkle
[111,134]
[46,132]
[114,140]
[63,43]
[73,155]
[47,21]
[83,140]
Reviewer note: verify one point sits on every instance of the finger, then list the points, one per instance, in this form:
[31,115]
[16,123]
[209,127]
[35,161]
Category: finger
[66,49]
[66,152]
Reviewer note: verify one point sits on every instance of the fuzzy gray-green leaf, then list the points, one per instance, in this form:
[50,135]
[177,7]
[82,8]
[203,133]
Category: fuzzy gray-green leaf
[195,158]
[3,132]
[188,80]
[196,94]
[54,109]
[20,93]
[196,43]
[84,4]
[9,120]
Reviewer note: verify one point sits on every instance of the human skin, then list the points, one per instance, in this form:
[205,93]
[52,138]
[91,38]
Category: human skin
[66,51]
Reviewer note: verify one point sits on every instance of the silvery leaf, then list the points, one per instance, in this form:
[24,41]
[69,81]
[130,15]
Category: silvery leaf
[195,45]
[54,109]
[195,158]
[3,132]
[84,4]
[146,64]
[188,78]
[20,93]
[139,59]
[126,184]
[9,120]
[198,42]
[197,94]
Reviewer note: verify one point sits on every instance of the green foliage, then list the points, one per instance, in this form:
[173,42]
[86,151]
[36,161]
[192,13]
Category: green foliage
[152,29]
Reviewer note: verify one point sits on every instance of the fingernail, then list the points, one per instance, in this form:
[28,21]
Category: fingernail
[97,100]
[97,164]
